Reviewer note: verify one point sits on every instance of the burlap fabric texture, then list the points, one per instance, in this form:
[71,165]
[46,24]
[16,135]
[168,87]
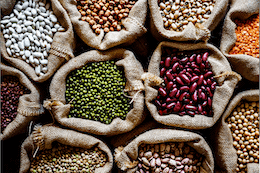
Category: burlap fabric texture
[6,6]
[29,106]
[226,154]
[126,157]
[61,47]
[43,136]
[133,26]
[246,65]
[191,32]
[226,79]
[134,87]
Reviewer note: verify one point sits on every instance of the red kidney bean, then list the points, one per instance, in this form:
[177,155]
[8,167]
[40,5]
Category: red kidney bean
[189,70]
[195,96]
[207,65]
[194,79]
[163,70]
[178,79]
[178,94]
[164,111]
[160,112]
[173,92]
[209,92]
[198,59]
[165,80]
[162,92]
[201,77]
[193,87]
[192,58]
[164,105]
[194,66]
[204,103]
[180,67]
[187,101]
[158,103]
[200,109]
[177,106]
[191,113]
[191,107]
[169,85]
[203,88]
[205,82]
[182,113]
[174,59]
[213,86]
[206,75]
[183,71]
[184,88]
[209,102]
[188,74]
[169,75]
[205,56]
[202,67]
[184,60]
[209,81]
[169,106]
[162,63]
[175,66]
[182,108]
[182,96]
[167,62]
[185,78]
[169,99]
[196,70]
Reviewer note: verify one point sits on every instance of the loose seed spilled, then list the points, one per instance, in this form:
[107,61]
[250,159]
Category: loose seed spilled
[188,86]
[244,125]
[11,90]
[177,14]
[247,33]
[168,158]
[63,158]
[28,32]
[97,90]
[104,14]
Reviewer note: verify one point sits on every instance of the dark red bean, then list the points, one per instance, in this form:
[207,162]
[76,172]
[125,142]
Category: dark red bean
[205,56]
[204,113]
[202,96]
[162,63]
[195,96]
[162,92]
[164,111]
[201,77]
[160,112]
[184,88]
[185,78]
[187,101]
[182,96]
[165,80]
[200,109]
[193,87]
[173,92]
[209,102]
[188,74]
[208,74]
[191,107]
[204,103]
[174,59]
[183,71]
[178,79]
[175,66]
[180,67]
[196,70]
[194,66]
[164,105]
[213,86]
[189,70]
[171,100]
[184,60]
[198,59]
[169,106]
[169,85]
[194,79]
[202,67]
[169,75]
[191,113]
[205,82]
[167,62]
[158,103]
[207,65]
[182,108]
[178,94]
[182,113]
[177,106]
[162,72]
[209,92]
[192,58]
[209,81]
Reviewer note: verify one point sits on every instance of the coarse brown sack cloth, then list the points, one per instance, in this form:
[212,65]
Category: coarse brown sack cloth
[29,106]
[191,32]
[226,155]
[134,86]
[219,66]
[133,26]
[246,65]
[6,6]
[126,157]
[61,47]
[48,134]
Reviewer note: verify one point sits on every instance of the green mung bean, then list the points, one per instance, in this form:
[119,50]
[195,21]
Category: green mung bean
[95,92]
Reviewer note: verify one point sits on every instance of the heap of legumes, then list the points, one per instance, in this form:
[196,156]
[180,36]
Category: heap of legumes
[247,32]
[177,14]
[104,14]
[188,85]
[11,90]
[244,125]
[168,158]
[29,31]
[96,92]
[63,158]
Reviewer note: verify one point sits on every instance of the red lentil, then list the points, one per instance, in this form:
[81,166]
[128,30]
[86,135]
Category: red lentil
[247,33]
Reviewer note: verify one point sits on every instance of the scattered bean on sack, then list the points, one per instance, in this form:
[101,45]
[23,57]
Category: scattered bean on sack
[96,92]
[168,158]
[247,33]
[188,85]
[29,31]
[11,90]
[64,158]
[104,14]
[244,125]
[177,14]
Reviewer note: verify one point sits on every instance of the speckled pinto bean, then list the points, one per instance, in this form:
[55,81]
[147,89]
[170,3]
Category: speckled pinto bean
[188,85]
[168,158]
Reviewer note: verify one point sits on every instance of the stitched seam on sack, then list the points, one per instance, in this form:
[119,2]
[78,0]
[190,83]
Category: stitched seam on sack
[136,22]
[60,52]
[29,113]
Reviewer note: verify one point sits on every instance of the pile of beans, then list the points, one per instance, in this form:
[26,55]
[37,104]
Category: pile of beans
[177,14]
[244,125]
[11,90]
[168,158]
[247,32]
[63,158]
[188,85]
[28,32]
[96,92]
[104,14]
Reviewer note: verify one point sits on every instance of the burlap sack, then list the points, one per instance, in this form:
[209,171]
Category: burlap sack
[61,47]
[126,158]
[226,155]
[191,32]
[134,86]
[6,6]
[246,65]
[226,79]
[133,24]
[44,136]
[29,106]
